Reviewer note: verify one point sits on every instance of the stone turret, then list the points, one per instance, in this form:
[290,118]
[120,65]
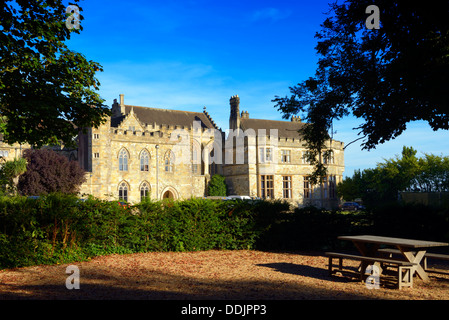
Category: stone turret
[234,118]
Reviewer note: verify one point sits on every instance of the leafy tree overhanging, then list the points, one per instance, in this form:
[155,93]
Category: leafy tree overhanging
[387,77]
[47,91]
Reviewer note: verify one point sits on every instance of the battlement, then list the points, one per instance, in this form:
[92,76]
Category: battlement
[210,119]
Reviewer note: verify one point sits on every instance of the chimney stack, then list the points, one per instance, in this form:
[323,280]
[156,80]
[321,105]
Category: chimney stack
[118,109]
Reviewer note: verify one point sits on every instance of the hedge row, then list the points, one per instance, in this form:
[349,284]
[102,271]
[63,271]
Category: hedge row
[317,229]
[63,229]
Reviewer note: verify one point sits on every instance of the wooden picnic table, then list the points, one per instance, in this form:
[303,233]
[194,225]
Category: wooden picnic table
[411,250]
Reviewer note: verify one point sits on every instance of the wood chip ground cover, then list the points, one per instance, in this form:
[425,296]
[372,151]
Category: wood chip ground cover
[241,274]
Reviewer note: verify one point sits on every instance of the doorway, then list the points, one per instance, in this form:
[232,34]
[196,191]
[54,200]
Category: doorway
[168,195]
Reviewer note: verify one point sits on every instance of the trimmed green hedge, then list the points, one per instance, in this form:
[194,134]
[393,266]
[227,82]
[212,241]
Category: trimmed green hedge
[61,228]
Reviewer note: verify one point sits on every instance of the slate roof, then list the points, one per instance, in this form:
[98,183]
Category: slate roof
[166,116]
[286,129]
[146,115]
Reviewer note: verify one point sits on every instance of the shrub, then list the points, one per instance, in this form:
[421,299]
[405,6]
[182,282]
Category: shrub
[48,172]
[9,174]
[217,186]
[310,228]
[415,221]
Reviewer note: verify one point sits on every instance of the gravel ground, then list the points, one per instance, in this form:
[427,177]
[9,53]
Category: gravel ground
[218,275]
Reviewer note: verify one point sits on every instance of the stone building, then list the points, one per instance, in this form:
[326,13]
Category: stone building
[10,152]
[268,161]
[147,152]
[159,153]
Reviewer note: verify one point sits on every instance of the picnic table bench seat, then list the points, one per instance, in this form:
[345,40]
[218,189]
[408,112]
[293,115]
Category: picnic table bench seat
[404,268]
[436,256]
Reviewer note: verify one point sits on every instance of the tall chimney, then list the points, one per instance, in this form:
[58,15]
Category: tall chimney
[122,104]
[118,109]
[234,118]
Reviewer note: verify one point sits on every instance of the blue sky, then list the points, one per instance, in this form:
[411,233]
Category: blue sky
[185,55]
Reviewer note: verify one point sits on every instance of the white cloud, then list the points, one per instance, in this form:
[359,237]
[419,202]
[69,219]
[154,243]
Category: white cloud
[181,86]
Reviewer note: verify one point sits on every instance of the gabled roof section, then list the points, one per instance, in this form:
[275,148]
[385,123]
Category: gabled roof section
[130,120]
[166,116]
[286,129]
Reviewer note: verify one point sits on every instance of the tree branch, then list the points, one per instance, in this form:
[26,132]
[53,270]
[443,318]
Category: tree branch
[354,141]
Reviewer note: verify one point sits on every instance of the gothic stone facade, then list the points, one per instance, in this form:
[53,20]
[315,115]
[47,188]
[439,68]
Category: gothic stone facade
[138,153]
[164,153]
[273,164]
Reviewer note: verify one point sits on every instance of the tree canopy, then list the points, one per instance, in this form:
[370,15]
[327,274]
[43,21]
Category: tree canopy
[407,172]
[47,91]
[385,77]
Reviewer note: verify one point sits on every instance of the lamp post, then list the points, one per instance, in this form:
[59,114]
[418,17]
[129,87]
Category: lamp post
[157,172]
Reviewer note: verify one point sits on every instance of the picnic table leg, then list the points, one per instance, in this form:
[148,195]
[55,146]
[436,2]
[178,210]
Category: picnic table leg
[367,251]
[416,258]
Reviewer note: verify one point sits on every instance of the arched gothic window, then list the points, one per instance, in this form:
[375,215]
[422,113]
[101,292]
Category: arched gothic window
[123,160]
[144,161]
[144,191]
[169,159]
[123,191]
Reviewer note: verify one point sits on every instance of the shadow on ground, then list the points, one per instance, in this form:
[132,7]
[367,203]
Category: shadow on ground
[161,286]
[302,270]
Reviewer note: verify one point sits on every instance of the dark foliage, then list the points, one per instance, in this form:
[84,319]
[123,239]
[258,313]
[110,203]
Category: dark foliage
[385,77]
[48,171]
